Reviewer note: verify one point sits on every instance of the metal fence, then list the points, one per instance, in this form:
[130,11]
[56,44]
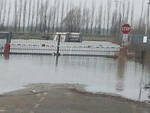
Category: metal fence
[136,43]
[39,45]
[138,39]
[5,37]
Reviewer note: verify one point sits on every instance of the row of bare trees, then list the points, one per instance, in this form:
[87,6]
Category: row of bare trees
[64,16]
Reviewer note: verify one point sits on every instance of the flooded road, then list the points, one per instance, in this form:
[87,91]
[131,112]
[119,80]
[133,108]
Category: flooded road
[98,74]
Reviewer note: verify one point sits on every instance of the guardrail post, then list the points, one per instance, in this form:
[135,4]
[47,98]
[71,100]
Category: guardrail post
[58,45]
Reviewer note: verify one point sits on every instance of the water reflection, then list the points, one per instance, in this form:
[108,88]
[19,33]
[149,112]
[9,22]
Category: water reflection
[56,60]
[141,80]
[120,73]
[6,56]
[145,77]
[97,73]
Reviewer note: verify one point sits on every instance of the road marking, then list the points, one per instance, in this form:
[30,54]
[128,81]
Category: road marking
[31,112]
[3,110]
[42,99]
[38,95]
[37,105]
[45,93]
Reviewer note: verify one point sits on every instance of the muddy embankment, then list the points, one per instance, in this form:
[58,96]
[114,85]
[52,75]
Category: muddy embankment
[66,98]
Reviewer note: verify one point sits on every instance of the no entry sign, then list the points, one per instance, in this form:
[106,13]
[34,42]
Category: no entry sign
[126,28]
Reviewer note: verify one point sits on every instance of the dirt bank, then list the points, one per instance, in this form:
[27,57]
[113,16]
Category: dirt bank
[47,98]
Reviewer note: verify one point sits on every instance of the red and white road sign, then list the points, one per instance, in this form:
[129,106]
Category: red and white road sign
[126,28]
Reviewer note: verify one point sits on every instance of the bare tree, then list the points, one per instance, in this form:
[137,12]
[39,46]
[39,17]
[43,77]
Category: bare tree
[95,29]
[147,19]
[113,23]
[4,14]
[50,19]
[45,15]
[24,14]
[41,16]
[92,16]
[62,15]
[72,20]
[87,20]
[141,15]
[108,14]
[54,18]
[20,14]
[123,11]
[57,13]
[37,15]
[29,13]
[8,16]
[1,10]
[83,18]
[132,14]
[68,4]
[127,12]
[100,19]
[15,15]
[119,22]
[33,15]
[104,21]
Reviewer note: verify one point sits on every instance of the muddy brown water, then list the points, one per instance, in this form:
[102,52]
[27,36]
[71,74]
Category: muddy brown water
[124,78]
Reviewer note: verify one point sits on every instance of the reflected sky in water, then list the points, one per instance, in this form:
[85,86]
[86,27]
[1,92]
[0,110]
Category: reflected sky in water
[115,76]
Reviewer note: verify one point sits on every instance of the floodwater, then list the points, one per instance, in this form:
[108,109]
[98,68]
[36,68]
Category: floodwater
[120,77]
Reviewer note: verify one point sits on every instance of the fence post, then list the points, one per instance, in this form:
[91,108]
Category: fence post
[58,45]
[7,45]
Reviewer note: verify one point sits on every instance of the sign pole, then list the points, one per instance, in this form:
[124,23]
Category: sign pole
[126,28]
[125,41]
[58,45]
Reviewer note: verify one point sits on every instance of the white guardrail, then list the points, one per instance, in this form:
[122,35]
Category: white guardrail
[50,47]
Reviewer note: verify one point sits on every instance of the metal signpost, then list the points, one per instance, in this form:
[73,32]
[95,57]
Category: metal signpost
[126,28]
[58,44]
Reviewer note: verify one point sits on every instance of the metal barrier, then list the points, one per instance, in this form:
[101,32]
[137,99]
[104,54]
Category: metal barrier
[43,46]
[5,39]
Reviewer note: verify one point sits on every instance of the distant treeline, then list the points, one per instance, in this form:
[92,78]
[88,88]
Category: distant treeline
[63,16]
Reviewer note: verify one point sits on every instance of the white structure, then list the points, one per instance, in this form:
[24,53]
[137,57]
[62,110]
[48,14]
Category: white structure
[63,36]
[68,37]
[86,48]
